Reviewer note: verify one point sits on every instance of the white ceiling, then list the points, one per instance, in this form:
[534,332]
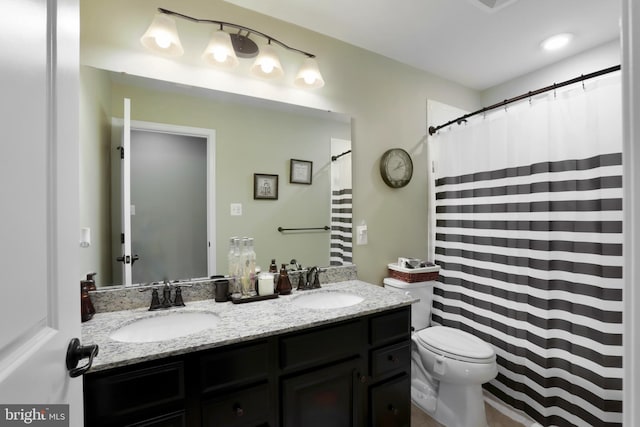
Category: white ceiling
[461,40]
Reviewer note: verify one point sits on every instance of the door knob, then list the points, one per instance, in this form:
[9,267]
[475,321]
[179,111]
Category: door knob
[76,352]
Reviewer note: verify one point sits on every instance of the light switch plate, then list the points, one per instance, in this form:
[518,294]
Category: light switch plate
[236,209]
[361,235]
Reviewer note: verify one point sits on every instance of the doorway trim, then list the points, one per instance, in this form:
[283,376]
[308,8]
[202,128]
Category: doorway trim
[631,185]
[210,136]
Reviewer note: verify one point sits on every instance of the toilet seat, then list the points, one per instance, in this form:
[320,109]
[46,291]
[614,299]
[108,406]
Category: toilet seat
[455,344]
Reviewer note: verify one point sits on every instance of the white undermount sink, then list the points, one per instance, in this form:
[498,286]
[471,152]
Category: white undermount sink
[165,327]
[326,300]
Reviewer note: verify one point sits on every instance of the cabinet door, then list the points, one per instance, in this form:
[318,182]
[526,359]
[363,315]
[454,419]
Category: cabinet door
[129,394]
[330,396]
[390,403]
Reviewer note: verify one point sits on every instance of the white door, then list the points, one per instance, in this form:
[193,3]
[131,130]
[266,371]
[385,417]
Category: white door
[39,230]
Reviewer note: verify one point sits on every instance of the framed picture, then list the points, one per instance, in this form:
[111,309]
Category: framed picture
[300,171]
[265,186]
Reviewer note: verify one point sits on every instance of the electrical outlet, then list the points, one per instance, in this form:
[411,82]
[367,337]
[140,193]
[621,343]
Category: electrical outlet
[236,209]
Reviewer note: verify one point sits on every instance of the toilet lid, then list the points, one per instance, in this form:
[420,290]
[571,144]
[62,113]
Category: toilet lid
[455,344]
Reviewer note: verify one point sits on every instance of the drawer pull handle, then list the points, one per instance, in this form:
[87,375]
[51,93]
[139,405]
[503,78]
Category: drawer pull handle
[238,410]
[393,359]
[393,410]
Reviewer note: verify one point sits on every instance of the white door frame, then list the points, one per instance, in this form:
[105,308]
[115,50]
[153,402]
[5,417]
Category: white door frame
[631,161]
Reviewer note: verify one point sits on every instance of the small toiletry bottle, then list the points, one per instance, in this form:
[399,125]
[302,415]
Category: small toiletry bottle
[91,282]
[86,306]
[284,285]
[234,266]
[273,268]
[251,265]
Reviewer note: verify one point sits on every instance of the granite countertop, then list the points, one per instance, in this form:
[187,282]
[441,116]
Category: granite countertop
[237,323]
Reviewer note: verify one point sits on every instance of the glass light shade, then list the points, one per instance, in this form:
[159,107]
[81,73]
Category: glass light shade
[267,63]
[220,50]
[309,75]
[162,36]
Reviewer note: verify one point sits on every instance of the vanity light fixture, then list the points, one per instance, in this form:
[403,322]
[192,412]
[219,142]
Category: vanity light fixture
[224,48]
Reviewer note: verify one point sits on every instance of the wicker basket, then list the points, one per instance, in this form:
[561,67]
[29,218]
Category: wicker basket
[412,275]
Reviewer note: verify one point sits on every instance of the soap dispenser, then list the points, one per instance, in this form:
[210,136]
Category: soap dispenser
[86,306]
[284,284]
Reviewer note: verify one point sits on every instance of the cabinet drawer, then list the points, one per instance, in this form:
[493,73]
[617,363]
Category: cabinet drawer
[321,345]
[387,327]
[248,407]
[391,359]
[235,366]
[134,390]
[390,403]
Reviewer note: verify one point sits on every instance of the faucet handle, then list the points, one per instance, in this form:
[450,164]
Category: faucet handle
[316,280]
[178,301]
[155,300]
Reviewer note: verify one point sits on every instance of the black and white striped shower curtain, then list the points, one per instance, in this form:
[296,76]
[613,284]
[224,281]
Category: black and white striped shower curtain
[528,234]
[341,252]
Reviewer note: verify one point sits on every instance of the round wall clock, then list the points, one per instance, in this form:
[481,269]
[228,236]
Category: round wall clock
[396,167]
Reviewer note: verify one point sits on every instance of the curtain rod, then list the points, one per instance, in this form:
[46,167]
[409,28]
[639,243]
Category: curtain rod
[583,77]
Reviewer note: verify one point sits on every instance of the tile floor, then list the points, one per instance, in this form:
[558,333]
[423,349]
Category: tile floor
[494,418]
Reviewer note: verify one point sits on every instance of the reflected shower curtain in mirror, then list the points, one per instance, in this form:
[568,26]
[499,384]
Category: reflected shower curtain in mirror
[528,234]
[341,201]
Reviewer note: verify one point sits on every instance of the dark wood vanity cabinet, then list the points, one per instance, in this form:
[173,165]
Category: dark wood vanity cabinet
[352,373]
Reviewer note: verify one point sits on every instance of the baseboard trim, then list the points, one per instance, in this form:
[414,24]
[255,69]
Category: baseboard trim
[515,414]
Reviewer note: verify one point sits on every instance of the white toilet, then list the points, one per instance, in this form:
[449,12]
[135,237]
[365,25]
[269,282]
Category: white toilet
[448,366]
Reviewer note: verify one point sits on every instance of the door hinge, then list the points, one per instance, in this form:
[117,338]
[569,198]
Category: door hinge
[121,149]
[122,238]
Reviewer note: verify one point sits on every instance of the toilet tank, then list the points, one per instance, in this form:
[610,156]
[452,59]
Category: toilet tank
[421,310]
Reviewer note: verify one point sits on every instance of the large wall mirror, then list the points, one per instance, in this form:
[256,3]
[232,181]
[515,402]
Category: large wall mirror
[251,137]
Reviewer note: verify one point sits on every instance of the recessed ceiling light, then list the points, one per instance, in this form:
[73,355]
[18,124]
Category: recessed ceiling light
[556,42]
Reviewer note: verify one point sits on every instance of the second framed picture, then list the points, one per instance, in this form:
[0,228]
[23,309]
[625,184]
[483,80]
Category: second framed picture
[265,186]
[300,171]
